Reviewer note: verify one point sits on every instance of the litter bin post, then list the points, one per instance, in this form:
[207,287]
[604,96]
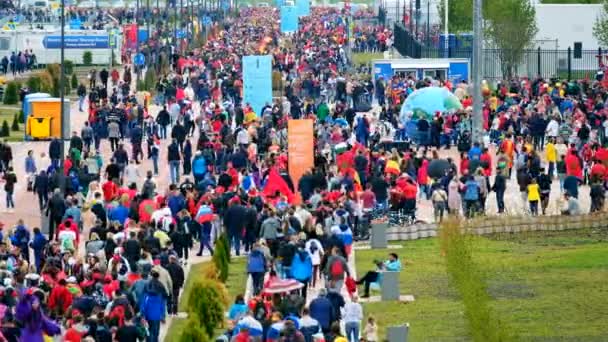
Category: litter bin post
[379,238]
[390,286]
[398,333]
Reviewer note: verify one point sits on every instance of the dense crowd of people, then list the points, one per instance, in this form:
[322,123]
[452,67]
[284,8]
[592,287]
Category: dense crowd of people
[109,265]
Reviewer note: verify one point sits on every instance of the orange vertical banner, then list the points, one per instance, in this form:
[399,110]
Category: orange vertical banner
[300,148]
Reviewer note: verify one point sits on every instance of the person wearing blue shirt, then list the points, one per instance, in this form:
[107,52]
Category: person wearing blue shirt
[176,201]
[38,244]
[471,196]
[393,264]
[475,152]
[119,213]
[238,309]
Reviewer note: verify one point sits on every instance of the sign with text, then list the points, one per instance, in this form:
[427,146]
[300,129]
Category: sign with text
[76,42]
[257,81]
[289,19]
[300,147]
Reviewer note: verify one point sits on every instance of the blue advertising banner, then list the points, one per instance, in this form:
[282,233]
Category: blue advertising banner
[303,7]
[458,72]
[257,81]
[289,19]
[77,42]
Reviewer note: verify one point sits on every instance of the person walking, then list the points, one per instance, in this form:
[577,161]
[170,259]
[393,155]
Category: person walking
[256,267]
[174,159]
[10,179]
[352,315]
[177,275]
[154,305]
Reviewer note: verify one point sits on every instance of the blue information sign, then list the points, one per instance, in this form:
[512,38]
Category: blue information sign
[76,42]
[257,81]
[289,19]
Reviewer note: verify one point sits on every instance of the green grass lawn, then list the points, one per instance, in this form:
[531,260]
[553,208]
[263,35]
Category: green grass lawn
[8,115]
[237,279]
[366,57]
[544,286]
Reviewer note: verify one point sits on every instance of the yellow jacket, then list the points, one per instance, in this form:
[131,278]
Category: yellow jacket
[551,153]
[533,192]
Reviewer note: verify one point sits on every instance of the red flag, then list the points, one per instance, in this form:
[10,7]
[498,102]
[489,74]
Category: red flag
[276,183]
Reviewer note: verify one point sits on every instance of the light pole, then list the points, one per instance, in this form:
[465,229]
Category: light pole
[446,40]
[477,70]
[61,100]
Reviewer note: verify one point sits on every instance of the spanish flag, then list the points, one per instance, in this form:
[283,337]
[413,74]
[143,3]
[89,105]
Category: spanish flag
[392,167]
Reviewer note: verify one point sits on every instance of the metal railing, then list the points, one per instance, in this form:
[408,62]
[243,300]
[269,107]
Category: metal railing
[547,63]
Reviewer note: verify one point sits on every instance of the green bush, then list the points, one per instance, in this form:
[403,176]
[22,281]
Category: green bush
[225,244]
[21,117]
[221,260]
[15,125]
[193,332]
[55,88]
[5,131]
[34,83]
[53,69]
[11,93]
[207,302]
[466,276]
[74,81]
[68,67]
[87,58]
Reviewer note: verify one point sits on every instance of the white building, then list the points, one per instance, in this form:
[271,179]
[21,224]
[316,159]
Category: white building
[561,26]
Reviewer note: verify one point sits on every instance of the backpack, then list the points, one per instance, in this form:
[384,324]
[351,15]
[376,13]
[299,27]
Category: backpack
[256,262]
[336,270]
[148,188]
[259,311]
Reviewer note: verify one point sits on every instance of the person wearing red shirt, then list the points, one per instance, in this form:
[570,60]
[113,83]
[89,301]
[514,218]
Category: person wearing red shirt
[573,165]
[464,164]
[486,162]
[368,198]
[60,298]
[146,208]
[598,170]
[110,190]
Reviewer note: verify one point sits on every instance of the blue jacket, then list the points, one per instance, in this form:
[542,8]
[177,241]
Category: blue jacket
[153,304]
[471,192]
[475,153]
[176,204]
[38,243]
[30,165]
[119,213]
[321,310]
[301,266]
[199,166]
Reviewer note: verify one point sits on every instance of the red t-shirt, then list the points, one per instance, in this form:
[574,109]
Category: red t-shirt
[369,199]
[110,190]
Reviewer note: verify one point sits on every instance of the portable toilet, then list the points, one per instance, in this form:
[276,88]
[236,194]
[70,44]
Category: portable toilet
[44,121]
[26,105]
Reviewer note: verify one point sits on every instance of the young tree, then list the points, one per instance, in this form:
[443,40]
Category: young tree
[510,27]
[600,26]
[460,15]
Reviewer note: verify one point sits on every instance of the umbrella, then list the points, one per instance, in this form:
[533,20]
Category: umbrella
[430,100]
[282,286]
[438,168]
